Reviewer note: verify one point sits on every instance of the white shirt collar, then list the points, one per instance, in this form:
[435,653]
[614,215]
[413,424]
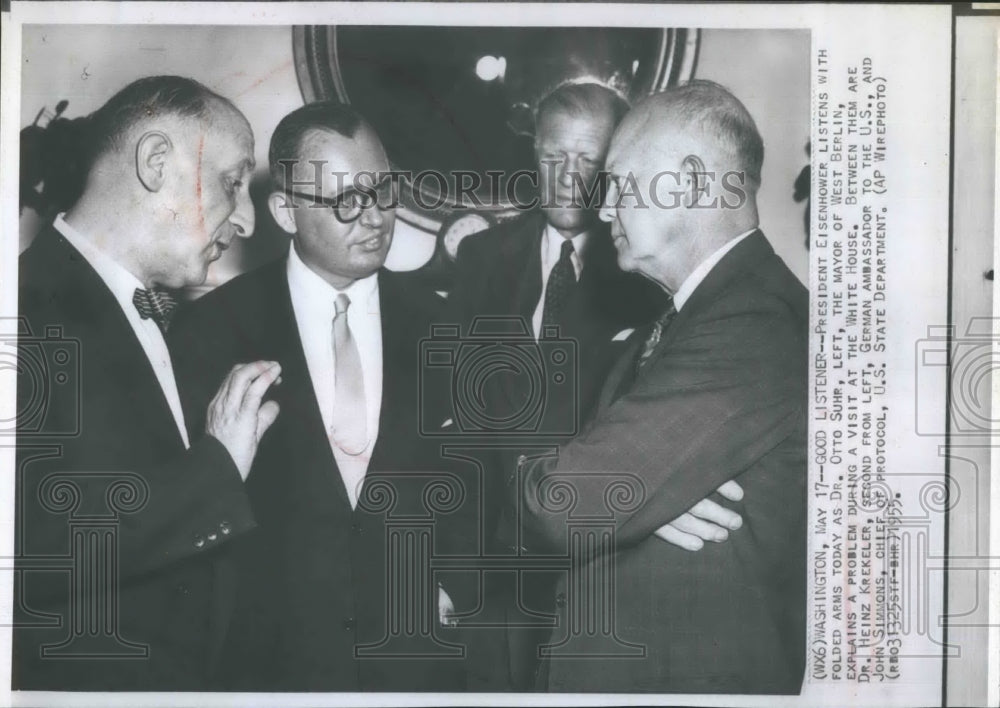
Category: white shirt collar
[704,268]
[118,279]
[309,289]
[552,242]
[122,285]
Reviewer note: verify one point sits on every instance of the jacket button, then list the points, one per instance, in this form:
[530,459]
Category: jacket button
[225,528]
[356,529]
[349,624]
[561,600]
[199,542]
[213,536]
[182,589]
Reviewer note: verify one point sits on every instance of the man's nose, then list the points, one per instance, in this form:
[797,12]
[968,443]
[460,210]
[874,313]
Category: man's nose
[608,212]
[567,167]
[373,216]
[243,217]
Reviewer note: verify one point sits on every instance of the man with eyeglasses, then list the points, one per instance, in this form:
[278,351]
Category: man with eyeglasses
[315,579]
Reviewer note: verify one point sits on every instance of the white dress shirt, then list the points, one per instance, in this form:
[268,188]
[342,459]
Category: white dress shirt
[122,285]
[551,246]
[313,303]
[704,268]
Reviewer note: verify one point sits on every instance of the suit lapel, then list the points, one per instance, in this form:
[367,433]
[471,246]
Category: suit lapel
[742,258]
[590,312]
[390,318]
[403,326]
[521,265]
[525,269]
[89,301]
[623,373]
[302,423]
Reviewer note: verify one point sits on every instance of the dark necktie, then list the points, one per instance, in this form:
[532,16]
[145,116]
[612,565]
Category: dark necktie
[562,278]
[157,305]
[653,340]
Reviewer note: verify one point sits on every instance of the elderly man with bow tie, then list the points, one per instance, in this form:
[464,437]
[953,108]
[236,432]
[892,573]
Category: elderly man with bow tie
[165,194]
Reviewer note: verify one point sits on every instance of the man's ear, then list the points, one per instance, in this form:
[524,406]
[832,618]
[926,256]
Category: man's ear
[283,211]
[151,154]
[696,180]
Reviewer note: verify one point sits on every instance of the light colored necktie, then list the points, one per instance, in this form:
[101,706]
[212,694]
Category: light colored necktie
[350,418]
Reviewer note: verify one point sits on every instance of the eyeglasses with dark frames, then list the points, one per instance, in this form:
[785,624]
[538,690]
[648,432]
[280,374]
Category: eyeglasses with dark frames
[349,205]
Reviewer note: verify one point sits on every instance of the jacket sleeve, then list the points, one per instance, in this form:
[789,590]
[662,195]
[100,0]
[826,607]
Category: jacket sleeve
[94,458]
[163,513]
[727,391]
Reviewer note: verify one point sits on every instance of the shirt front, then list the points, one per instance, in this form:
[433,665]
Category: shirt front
[313,302]
[551,246]
[122,285]
[704,268]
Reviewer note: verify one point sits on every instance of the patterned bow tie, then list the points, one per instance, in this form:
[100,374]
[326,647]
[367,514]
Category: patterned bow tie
[654,336]
[157,305]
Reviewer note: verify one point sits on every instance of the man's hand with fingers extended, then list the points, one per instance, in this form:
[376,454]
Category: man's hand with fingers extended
[237,416]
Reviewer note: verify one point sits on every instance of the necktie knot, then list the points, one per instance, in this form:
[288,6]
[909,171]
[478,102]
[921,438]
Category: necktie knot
[667,315]
[566,250]
[653,340]
[157,305]
[341,304]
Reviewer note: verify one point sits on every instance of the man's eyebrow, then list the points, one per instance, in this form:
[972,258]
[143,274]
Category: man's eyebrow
[248,164]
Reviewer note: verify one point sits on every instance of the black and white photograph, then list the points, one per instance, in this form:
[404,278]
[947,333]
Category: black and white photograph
[410,353]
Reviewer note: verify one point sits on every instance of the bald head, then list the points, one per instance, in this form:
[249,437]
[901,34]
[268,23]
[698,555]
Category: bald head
[167,188]
[685,167]
[705,118]
[155,100]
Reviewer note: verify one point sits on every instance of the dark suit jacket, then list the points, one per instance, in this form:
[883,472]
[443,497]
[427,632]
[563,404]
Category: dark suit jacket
[722,397]
[313,575]
[499,275]
[107,420]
